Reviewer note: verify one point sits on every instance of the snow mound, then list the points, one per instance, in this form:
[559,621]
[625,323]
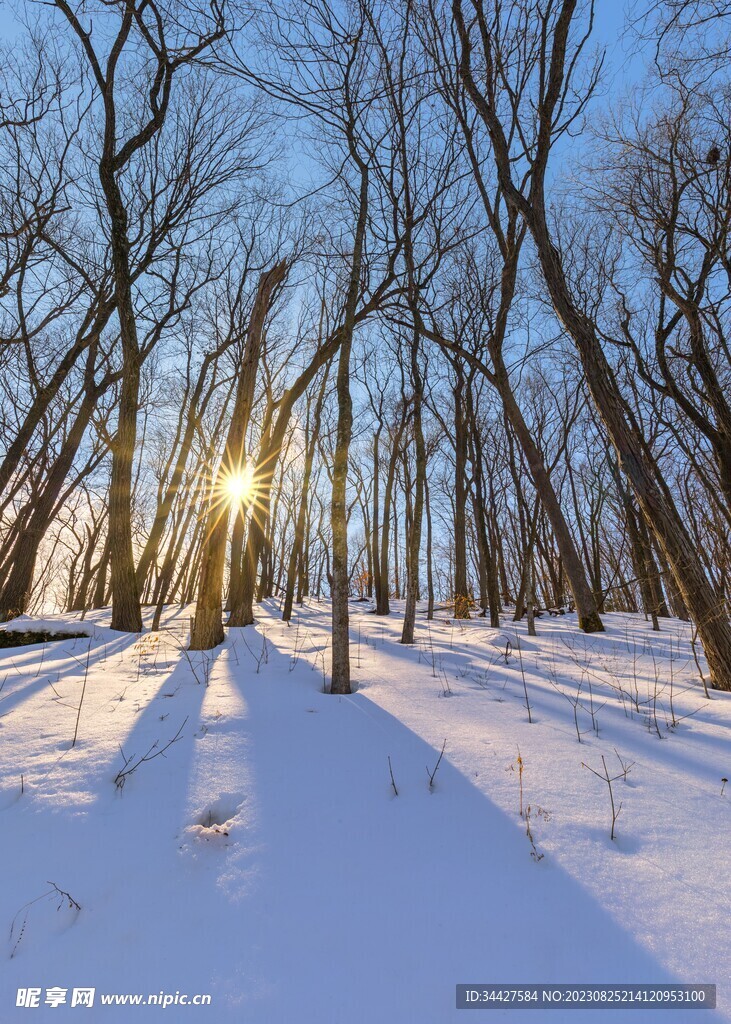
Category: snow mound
[218,818]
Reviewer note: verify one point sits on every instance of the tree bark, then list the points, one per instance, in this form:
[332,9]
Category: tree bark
[414,540]
[383,605]
[208,622]
[462,598]
[126,613]
[635,459]
[297,552]
[17,589]
[340,677]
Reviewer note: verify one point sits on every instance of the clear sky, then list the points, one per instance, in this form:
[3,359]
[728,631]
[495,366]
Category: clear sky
[625,64]
[8,18]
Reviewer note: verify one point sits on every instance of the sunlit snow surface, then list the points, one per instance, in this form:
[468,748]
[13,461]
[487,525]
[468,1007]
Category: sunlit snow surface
[266,859]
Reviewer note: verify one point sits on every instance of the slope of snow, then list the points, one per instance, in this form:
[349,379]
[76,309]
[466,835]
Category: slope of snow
[264,858]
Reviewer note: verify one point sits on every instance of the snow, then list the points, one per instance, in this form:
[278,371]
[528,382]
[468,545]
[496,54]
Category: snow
[52,624]
[265,859]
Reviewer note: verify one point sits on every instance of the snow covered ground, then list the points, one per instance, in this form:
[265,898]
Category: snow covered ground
[265,859]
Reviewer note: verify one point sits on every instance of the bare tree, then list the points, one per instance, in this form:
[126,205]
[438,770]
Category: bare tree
[159,45]
[554,49]
[231,486]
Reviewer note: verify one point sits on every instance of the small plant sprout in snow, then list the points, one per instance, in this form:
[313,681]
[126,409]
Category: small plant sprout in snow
[263,657]
[518,765]
[393,781]
[432,775]
[605,777]
[534,851]
[522,673]
[81,699]
[525,812]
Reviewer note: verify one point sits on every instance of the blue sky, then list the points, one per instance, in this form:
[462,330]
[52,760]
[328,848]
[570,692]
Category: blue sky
[609,26]
[8,21]
[625,64]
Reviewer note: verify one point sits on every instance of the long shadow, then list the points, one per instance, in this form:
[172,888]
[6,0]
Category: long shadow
[333,899]
[545,700]
[51,668]
[156,721]
[178,698]
[115,850]
[378,904]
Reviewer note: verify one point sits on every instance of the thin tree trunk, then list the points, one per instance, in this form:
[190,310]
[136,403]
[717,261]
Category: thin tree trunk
[635,459]
[340,677]
[297,552]
[17,589]
[461,595]
[429,565]
[414,545]
[383,606]
[375,539]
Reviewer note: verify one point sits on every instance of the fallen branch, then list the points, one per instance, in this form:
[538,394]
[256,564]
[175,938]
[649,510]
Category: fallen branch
[63,897]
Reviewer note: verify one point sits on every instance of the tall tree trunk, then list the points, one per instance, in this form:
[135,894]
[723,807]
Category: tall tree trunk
[375,538]
[488,557]
[396,566]
[236,574]
[529,546]
[654,582]
[79,600]
[297,553]
[414,541]
[584,598]
[461,595]
[383,605]
[429,564]
[266,465]
[17,589]
[208,625]
[340,678]
[126,613]
[194,412]
[100,587]
[531,600]
[635,459]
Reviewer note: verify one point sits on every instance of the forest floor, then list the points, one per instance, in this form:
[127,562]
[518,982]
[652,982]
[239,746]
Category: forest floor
[223,827]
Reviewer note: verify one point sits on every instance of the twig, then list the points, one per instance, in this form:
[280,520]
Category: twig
[393,781]
[605,778]
[627,766]
[121,776]
[534,851]
[83,691]
[525,685]
[436,766]
[64,897]
[520,763]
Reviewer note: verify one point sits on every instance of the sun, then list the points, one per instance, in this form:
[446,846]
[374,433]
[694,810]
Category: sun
[238,486]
